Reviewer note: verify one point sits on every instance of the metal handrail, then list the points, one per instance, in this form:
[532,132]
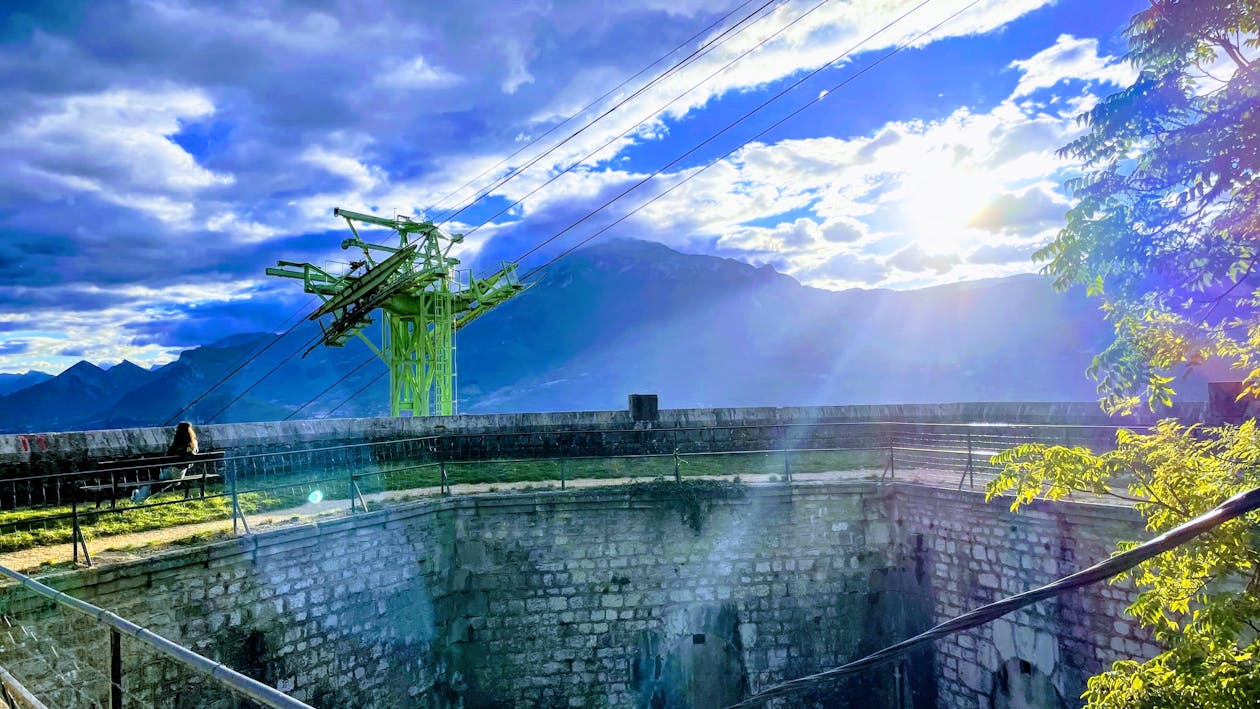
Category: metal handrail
[13,689]
[226,676]
[442,449]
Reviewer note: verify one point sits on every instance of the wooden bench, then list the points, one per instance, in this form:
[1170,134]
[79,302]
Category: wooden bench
[129,474]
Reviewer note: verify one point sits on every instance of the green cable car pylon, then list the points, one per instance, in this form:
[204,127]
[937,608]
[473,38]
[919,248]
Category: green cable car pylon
[423,300]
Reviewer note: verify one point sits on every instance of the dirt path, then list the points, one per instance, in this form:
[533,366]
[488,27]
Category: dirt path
[124,547]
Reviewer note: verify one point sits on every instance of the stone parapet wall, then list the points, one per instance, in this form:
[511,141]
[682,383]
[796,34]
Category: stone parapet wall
[328,612]
[46,453]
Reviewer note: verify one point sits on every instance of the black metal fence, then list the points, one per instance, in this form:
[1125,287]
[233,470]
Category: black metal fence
[54,508]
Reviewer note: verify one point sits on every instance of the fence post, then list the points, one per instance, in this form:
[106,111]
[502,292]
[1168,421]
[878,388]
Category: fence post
[74,530]
[350,490]
[969,472]
[237,513]
[446,490]
[787,460]
[562,473]
[677,467]
[115,669]
[76,535]
[356,492]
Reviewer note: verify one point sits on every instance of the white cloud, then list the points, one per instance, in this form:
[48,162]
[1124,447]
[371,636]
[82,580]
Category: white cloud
[115,144]
[914,258]
[361,177]
[817,37]
[104,332]
[913,202]
[517,68]
[306,131]
[416,74]
[1070,58]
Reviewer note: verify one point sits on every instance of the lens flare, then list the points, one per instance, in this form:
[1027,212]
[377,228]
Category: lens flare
[315,497]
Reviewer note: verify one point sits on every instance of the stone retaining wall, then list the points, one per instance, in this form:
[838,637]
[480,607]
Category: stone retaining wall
[656,595]
[979,553]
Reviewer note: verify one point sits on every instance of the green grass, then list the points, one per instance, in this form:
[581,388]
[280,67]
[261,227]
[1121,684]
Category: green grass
[19,529]
[549,471]
[127,519]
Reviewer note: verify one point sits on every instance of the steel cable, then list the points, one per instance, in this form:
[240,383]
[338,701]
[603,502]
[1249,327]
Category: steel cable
[330,387]
[774,125]
[242,364]
[677,65]
[271,371]
[625,132]
[1232,508]
[841,84]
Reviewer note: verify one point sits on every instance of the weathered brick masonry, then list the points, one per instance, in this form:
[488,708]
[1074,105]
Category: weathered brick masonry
[979,553]
[647,596]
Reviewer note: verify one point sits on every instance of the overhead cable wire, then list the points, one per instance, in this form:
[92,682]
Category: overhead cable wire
[330,387]
[690,58]
[1232,508]
[704,48]
[669,103]
[736,122]
[700,51]
[244,363]
[362,389]
[270,372]
[722,157]
[587,107]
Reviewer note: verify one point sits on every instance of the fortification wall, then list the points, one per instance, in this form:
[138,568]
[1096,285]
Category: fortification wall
[658,595]
[42,453]
[978,553]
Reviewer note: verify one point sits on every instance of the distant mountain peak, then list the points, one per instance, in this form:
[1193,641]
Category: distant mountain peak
[82,368]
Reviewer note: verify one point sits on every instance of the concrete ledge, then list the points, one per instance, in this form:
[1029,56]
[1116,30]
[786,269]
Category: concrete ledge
[239,438]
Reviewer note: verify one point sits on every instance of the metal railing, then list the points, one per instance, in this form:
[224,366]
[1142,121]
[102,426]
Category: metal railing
[117,627]
[13,695]
[47,507]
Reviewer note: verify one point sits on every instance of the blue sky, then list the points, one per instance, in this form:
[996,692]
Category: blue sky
[156,156]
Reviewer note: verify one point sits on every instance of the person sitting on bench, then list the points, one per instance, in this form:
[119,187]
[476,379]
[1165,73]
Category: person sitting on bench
[184,444]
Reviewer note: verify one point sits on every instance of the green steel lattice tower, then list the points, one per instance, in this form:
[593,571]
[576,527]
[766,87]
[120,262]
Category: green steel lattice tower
[423,300]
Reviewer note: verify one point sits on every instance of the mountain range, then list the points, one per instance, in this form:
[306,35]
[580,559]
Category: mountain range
[629,316]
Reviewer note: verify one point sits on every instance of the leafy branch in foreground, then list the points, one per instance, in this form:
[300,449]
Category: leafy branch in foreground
[1201,600]
[1167,206]
[1165,231]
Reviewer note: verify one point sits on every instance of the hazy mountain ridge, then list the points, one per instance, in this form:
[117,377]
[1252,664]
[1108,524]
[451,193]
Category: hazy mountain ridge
[629,315]
[10,383]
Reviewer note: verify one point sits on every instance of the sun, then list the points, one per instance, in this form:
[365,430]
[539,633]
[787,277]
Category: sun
[937,201]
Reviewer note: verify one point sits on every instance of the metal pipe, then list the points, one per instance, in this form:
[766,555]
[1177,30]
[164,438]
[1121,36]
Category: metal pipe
[226,676]
[15,688]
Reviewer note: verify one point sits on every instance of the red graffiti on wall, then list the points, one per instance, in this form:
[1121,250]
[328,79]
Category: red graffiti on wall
[40,440]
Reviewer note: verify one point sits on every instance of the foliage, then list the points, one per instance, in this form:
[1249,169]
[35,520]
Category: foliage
[1164,231]
[1202,599]
[693,497]
[1165,224]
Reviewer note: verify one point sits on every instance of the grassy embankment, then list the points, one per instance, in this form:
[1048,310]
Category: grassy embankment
[25,529]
